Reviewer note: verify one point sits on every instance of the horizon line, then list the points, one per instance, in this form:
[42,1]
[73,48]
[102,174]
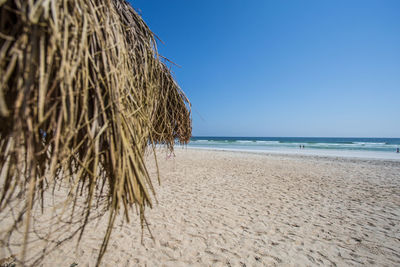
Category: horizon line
[290,136]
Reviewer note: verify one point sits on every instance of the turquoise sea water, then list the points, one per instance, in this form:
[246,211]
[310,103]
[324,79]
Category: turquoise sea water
[312,145]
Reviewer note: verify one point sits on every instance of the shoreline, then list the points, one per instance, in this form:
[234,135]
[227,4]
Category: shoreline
[329,154]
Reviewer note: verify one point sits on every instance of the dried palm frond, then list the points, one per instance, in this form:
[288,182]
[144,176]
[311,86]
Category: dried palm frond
[83,92]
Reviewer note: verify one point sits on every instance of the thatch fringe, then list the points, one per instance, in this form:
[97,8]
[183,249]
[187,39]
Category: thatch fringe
[82,94]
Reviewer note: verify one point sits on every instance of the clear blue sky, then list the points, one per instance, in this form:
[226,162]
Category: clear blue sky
[284,68]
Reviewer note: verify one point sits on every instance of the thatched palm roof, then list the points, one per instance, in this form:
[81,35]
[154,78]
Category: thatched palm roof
[83,92]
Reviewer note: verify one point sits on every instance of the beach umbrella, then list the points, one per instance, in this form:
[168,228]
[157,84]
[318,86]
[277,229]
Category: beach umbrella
[83,95]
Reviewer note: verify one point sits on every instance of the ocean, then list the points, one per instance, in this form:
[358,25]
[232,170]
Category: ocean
[326,146]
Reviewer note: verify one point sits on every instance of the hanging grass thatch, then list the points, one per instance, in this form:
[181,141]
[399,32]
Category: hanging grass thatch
[82,94]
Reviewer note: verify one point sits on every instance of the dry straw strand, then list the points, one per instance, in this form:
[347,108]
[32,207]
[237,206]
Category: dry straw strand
[83,92]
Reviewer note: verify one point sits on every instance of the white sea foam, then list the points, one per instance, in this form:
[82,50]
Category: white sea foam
[267,142]
[369,143]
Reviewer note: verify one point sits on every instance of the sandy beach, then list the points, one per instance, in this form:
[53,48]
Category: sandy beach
[284,118]
[219,208]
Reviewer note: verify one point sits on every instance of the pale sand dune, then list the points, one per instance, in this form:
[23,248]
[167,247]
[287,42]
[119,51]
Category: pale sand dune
[240,209]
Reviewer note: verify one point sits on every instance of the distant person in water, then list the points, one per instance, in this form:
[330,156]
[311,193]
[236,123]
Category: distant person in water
[397,150]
